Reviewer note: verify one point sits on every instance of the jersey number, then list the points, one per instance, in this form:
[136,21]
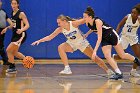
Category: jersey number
[73,37]
[129,29]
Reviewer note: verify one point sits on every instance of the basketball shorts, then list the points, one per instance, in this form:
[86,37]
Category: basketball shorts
[19,39]
[79,45]
[126,40]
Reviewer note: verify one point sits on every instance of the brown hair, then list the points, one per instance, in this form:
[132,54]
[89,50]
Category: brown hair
[67,18]
[90,12]
[16,1]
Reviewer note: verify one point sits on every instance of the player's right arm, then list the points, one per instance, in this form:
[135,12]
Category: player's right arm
[122,22]
[48,38]
[88,33]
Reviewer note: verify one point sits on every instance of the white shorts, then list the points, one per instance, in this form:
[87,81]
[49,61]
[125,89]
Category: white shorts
[81,45]
[126,40]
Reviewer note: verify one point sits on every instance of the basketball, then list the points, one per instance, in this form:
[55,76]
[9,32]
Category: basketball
[28,62]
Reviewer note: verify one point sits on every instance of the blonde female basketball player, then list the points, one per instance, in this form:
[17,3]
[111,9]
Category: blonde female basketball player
[21,24]
[107,37]
[129,35]
[74,41]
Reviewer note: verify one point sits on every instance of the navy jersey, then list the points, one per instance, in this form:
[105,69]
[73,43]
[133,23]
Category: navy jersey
[17,25]
[16,20]
[105,28]
[109,35]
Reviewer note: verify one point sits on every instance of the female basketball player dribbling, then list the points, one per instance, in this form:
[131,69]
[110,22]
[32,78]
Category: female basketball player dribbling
[74,41]
[107,37]
[21,24]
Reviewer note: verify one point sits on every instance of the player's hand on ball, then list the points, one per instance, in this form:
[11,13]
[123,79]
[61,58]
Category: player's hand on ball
[35,43]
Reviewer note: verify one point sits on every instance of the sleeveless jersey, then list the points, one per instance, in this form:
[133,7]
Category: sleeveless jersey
[130,28]
[16,21]
[73,35]
[106,29]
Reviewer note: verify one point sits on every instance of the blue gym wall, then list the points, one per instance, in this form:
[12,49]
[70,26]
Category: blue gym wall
[42,16]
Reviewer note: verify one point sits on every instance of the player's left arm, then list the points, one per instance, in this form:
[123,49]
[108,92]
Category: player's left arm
[99,24]
[24,19]
[139,21]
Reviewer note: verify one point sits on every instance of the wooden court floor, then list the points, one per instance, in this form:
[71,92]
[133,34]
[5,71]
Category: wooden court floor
[86,78]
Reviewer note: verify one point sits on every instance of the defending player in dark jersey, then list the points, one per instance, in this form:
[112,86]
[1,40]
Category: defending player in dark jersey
[107,37]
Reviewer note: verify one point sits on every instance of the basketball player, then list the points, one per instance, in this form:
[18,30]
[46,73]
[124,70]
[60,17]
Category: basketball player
[129,35]
[3,19]
[74,41]
[21,24]
[107,37]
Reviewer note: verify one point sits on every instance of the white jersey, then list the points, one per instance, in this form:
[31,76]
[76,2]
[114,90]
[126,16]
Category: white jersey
[73,35]
[129,28]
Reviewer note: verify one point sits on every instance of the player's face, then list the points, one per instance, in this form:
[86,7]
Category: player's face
[86,17]
[134,13]
[60,23]
[14,4]
[0,4]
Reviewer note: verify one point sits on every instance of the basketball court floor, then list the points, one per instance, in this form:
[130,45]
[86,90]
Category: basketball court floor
[86,78]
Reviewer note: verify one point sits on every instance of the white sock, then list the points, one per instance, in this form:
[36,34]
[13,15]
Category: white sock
[67,67]
[118,71]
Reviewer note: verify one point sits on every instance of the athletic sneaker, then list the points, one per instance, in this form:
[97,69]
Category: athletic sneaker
[116,76]
[6,63]
[134,80]
[134,73]
[11,70]
[137,61]
[66,71]
[110,73]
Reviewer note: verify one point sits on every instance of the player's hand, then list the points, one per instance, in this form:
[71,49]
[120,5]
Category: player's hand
[4,30]
[19,31]
[35,43]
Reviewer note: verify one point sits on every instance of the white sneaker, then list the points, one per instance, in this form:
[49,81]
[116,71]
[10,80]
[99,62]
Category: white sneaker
[134,73]
[134,80]
[65,72]
[110,73]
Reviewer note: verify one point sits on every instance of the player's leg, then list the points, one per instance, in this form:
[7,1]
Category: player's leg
[88,51]
[63,49]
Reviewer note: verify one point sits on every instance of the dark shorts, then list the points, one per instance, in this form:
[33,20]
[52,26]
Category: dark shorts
[16,37]
[111,39]
[2,36]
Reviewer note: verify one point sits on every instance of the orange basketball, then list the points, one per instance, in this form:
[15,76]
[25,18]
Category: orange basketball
[28,62]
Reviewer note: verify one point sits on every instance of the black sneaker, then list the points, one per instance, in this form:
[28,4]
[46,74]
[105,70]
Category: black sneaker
[11,70]
[117,76]
[137,61]
[6,63]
